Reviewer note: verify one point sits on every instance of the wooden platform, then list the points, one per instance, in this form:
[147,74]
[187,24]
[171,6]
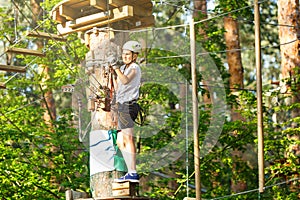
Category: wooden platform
[83,15]
[118,198]
[122,190]
[125,189]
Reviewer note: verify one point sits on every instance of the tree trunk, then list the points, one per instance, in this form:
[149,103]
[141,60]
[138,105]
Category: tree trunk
[44,71]
[234,58]
[101,45]
[288,14]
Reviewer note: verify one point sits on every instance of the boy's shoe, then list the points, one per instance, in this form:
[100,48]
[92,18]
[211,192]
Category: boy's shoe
[131,177]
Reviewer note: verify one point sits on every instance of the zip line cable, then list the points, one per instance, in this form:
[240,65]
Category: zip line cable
[255,190]
[225,51]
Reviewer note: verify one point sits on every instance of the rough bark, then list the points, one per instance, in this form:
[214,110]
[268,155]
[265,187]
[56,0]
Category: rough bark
[289,35]
[288,14]
[102,44]
[234,58]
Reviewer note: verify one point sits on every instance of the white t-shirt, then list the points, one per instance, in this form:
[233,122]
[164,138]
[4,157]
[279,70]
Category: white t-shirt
[130,91]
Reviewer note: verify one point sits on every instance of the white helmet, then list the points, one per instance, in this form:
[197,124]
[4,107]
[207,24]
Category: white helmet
[133,46]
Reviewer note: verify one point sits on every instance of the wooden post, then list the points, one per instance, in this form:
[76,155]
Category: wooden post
[195,110]
[260,133]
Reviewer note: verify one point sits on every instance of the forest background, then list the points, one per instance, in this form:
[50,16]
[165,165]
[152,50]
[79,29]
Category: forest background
[41,156]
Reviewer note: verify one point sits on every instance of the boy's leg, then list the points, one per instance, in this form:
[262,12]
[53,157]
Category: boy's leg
[127,146]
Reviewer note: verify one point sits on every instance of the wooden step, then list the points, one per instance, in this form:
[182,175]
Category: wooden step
[125,189]
[25,51]
[10,68]
[2,86]
[44,35]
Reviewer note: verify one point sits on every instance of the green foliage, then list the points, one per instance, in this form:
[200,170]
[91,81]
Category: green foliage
[37,162]
[40,160]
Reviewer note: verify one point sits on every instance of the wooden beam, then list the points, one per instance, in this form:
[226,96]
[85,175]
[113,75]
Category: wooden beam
[117,3]
[68,12]
[78,4]
[82,21]
[10,68]
[100,4]
[25,51]
[64,28]
[2,86]
[125,11]
[141,22]
[45,35]
[142,11]
[139,2]
[57,17]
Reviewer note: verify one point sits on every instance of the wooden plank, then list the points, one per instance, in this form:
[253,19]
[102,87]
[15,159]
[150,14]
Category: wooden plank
[123,185]
[64,29]
[2,86]
[68,12]
[51,36]
[25,51]
[142,11]
[57,17]
[123,12]
[100,4]
[68,3]
[139,2]
[119,3]
[141,22]
[116,198]
[138,9]
[122,197]
[10,68]
[121,192]
[82,21]
[125,189]
[78,4]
